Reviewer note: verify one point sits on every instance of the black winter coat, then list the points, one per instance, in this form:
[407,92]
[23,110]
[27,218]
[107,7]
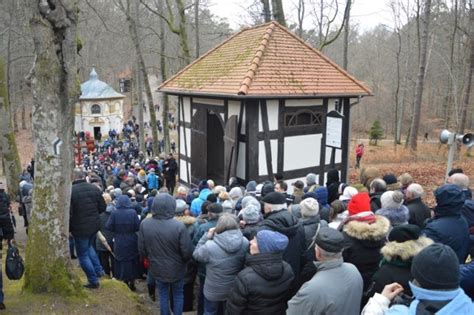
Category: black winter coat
[109,235]
[262,287]
[286,223]
[86,205]
[364,242]
[6,226]
[166,243]
[375,202]
[419,212]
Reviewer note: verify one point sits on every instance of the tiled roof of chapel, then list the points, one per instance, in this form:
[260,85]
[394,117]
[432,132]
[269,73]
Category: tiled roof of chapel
[264,61]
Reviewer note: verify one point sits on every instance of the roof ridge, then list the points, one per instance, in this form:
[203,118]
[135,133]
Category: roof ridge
[201,57]
[320,54]
[245,84]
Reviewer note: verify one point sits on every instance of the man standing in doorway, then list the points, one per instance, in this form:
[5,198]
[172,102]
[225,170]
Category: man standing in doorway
[170,167]
[86,205]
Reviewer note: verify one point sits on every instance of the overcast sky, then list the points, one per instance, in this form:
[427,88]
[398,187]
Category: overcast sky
[366,13]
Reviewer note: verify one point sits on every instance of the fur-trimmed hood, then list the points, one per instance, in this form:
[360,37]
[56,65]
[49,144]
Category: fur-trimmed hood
[365,231]
[405,250]
[186,219]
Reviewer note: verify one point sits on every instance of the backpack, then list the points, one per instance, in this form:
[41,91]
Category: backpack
[14,267]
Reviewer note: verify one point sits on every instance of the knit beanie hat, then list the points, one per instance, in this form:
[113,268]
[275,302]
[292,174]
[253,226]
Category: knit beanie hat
[269,241]
[251,187]
[250,214]
[309,207]
[404,232]
[267,188]
[348,193]
[310,179]
[235,193]
[215,208]
[181,206]
[227,206]
[211,198]
[142,173]
[359,203]
[390,179]
[436,267]
[391,199]
[250,200]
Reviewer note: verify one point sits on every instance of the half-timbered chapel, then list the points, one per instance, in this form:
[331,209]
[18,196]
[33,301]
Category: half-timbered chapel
[263,102]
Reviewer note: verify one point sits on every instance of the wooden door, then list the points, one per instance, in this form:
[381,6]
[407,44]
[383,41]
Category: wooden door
[199,146]
[230,147]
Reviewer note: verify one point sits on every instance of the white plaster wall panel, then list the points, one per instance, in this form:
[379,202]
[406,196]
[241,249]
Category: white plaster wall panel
[209,101]
[240,171]
[301,152]
[77,123]
[272,109]
[338,155]
[188,141]
[331,104]
[194,111]
[303,102]
[290,182]
[186,106]
[223,118]
[182,171]
[242,129]
[262,157]
[233,108]
[262,160]
[260,123]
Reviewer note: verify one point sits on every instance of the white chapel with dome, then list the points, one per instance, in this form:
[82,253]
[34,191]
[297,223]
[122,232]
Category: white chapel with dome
[100,108]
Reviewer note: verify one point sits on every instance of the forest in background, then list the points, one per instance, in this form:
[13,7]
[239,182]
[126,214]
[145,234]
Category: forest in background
[385,57]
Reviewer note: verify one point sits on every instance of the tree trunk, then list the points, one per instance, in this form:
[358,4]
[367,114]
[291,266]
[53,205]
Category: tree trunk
[23,116]
[9,152]
[132,26]
[415,124]
[196,27]
[266,10]
[469,71]
[301,14]
[448,99]
[55,91]
[141,130]
[164,76]
[345,62]
[278,12]
[397,90]
[183,33]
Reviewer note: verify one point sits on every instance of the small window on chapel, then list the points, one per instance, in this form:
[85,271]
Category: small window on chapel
[303,118]
[95,109]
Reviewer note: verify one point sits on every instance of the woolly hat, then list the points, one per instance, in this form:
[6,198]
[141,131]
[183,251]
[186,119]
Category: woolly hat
[227,206]
[329,239]
[269,241]
[251,187]
[391,199]
[359,203]
[141,173]
[250,200]
[274,198]
[235,193]
[211,198]
[215,208]
[348,193]
[390,179]
[436,267]
[267,188]
[309,207]
[250,214]
[151,170]
[311,179]
[404,232]
[181,206]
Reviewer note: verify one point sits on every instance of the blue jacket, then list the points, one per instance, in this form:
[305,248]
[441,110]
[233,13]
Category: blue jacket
[460,303]
[152,180]
[124,223]
[448,226]
[468,212]
[467,278]
[197,203]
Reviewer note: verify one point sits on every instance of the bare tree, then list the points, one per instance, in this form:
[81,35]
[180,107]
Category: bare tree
[345,61]
[196,27]
[133,30]
[8,149]
[326,15]
[278,12]
[300,9]
[266,10]
[415,124]
[469,71]
[55,91]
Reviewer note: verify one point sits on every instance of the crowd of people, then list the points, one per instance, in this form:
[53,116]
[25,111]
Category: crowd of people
[262,248]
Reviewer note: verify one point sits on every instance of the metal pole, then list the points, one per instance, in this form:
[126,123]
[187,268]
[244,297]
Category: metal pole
[452,149]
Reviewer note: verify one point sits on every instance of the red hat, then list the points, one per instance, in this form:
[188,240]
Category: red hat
[359,203]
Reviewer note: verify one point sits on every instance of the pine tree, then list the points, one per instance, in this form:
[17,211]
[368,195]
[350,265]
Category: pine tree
[375,132]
